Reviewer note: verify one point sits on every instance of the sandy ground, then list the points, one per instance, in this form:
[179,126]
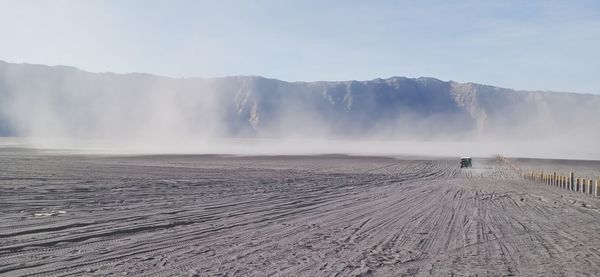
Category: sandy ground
[286,216]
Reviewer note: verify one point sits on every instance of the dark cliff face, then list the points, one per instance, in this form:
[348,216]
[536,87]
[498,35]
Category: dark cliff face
[412,107]
[64,101]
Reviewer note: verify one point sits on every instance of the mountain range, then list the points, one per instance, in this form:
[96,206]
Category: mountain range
[39,100]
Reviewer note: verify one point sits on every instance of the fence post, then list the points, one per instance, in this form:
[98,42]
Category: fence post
[560,179]
[585,186]
[589,187]
[596,188]
[572,186]
[571,181]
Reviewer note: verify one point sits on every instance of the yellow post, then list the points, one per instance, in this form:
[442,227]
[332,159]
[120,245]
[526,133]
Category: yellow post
[596,188]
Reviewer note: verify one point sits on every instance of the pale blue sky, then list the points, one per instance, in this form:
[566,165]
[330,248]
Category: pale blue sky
[546,45]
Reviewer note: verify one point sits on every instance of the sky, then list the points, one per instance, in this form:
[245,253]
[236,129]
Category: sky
[531,45]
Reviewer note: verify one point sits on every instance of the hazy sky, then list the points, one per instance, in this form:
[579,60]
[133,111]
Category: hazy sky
[547,45]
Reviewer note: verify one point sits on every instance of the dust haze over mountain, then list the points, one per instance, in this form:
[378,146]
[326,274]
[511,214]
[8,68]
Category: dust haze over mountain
[63,106]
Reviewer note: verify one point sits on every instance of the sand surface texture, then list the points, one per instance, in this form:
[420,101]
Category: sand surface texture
[287,216]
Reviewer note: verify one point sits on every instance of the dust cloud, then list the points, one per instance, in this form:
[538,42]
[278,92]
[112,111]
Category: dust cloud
[65,108]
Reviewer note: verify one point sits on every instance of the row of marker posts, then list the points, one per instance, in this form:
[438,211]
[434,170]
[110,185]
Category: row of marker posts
[586,186]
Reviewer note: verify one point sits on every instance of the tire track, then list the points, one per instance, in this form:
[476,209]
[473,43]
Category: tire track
[282,216]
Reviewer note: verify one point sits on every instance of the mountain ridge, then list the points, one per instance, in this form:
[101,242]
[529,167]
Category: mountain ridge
[280,80]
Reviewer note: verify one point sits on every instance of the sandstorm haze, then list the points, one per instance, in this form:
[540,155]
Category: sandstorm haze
[65,107]
[338,77]
[299,138]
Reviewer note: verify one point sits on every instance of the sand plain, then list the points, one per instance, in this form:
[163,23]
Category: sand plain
[330,215]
